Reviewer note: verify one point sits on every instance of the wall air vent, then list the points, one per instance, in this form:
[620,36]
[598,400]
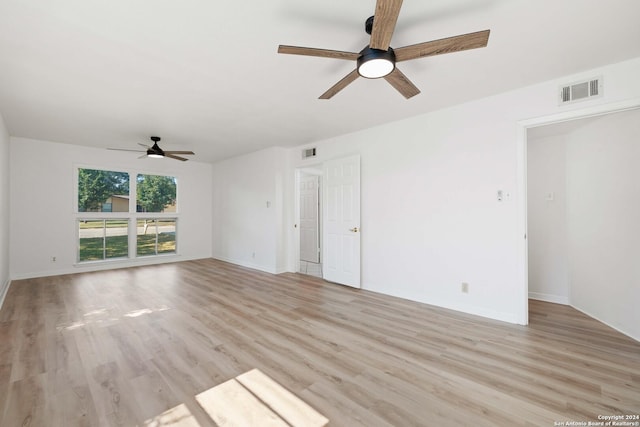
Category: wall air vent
[581,91]
[308,152]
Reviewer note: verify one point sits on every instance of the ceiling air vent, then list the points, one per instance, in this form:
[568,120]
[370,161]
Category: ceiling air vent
[581,91]
[308,152]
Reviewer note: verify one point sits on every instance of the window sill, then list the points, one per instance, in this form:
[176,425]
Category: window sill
[140,260]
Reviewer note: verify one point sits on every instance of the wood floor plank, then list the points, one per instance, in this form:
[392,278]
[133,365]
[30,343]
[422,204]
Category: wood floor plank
[336,406]
[73,408]
[113,396]
[158,396]
[5,382]
[27,402]
[137,345]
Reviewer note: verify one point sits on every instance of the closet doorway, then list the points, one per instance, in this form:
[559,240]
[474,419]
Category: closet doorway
[310,223]
[578,205]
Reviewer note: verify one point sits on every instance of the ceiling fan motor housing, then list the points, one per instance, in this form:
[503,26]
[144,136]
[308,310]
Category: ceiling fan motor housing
[376,63]
[155,150]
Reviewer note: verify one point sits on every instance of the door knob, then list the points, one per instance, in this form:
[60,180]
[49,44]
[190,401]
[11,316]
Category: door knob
[354,229]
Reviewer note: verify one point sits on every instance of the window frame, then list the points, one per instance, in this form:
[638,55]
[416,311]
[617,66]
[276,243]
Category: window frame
[156,219]
[104,240]
[131,216]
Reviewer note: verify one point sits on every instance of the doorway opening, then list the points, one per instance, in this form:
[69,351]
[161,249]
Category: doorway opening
[549,201]
[309,198]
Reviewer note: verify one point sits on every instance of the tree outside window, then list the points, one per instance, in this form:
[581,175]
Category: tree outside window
[156,193]
[103,191]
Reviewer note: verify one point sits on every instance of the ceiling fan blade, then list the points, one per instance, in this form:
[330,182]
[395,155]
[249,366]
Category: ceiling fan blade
[175,157]
[143,156]
[439,47]
[323,53]
[178,152]
[124,149]
[384,22]
[144,145]
[402,84]
[346,80]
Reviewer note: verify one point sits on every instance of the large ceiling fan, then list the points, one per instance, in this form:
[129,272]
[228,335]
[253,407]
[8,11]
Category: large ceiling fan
[378,59]
[155,151]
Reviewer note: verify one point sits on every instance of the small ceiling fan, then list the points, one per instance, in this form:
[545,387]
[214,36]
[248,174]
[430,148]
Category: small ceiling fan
[155,151]
[378,59]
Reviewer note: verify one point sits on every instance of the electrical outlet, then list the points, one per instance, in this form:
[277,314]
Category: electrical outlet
[465,288]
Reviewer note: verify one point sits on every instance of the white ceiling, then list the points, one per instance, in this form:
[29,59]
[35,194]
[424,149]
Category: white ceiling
[205,75]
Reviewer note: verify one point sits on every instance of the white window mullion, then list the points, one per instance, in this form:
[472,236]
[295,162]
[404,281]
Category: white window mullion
[156,222]
[104,239]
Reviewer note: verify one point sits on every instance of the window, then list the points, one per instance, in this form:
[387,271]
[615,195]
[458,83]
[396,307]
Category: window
[102,239]
[103,191]
[105,212]
[156,236]
[156,193]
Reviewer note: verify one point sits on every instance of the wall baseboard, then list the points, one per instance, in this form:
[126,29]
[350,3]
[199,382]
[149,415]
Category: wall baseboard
[266,269]
[280,270]
[108,265]
[463,308]
[637,338]
[556,299]
[4,291]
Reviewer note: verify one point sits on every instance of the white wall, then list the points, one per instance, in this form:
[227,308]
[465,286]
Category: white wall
[4,209]
[603,212]
[42,205]
[547,219]
[248,214]
[430,218]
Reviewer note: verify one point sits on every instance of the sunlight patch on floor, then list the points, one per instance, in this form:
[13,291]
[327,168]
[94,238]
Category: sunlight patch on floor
[178,416]
[254,399]
[104,317]
[142,311]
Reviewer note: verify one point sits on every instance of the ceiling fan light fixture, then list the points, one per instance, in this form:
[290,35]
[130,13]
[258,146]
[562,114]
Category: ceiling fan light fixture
[155,152]
[376,63]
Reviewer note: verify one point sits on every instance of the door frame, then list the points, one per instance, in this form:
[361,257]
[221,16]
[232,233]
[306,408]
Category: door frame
[521,176]
[315,169]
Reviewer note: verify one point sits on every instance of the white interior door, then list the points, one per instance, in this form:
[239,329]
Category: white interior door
[341,221]
[309,225]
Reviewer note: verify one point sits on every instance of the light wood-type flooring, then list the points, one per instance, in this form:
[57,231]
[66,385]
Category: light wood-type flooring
[122,347]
